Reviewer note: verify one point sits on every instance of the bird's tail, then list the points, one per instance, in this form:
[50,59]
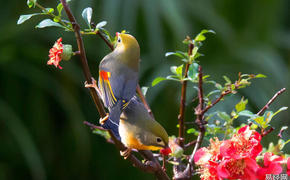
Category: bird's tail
[109,124]
[114,119]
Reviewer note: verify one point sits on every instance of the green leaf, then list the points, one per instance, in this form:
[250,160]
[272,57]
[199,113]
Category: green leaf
[157,80]
[59,9]
[193,54]
[144,90]
[201,37]
[260,76]
[101,24]
[173,77]
[192,131]
[173,69]
[224,116]
[228,81]
[87,15]
[25,17]
[177,53]
[48,10]
[48,23]
[284,144]
[103,133]
[108,35]
[246,113]
[179,70]
[241,105]
[31,3]
[260,120]
[282,130]
[281,109]
[212,92]
[218,86]
[193,71]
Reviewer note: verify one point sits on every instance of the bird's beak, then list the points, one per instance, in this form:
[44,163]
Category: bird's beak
[117,34]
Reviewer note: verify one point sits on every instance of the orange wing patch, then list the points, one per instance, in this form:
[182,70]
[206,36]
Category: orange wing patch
[105,75]
[105,86]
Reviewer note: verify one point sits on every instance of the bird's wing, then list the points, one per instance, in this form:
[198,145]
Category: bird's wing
[119,84]
[108,95]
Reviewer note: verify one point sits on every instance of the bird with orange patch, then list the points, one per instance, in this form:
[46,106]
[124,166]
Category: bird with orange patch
[139,130]
[118,78]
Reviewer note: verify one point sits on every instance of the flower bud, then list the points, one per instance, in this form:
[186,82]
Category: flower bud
[67,52]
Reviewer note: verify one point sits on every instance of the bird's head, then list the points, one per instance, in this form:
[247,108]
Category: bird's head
[155,137]
[126,41]
[127,46]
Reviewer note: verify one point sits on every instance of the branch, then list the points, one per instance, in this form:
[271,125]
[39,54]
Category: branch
[148,167]
[187,173]
[182,101]
[270,101]
[106,41]
[142,97]
[264,133]
[83,58]
[188,145]
[216,101]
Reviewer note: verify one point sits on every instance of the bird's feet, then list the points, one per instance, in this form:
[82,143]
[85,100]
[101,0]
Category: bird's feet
[126,153]
[104,119]
[93,85]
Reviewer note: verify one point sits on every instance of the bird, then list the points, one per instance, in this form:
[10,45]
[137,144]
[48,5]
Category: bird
[139,130]
[118,78]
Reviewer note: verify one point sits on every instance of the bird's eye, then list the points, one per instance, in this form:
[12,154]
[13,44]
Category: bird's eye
[158,139]
[119,40]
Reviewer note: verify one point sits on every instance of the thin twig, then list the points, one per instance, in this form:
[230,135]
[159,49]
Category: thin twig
[142,97]
[106,41]
[264,133]
[216,101]
[270,101]
[188,145]
[181,115]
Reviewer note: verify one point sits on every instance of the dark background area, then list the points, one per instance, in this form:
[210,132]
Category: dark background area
[42,109]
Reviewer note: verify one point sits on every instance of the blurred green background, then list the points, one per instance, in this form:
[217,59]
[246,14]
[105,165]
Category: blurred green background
[42,108]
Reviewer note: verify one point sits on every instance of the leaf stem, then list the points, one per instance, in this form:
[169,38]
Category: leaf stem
[53,15]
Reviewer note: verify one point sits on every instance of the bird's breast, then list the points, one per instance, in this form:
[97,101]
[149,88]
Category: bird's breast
[130,140]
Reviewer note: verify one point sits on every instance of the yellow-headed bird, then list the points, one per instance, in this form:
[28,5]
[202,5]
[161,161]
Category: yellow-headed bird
[118,78]
[138,130]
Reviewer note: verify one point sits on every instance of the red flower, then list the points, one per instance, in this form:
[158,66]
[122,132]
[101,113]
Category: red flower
[55,54]
[272,165]
[208,171]
[288,166]
[207,159]
[238,169]
[245,144]
[165,151]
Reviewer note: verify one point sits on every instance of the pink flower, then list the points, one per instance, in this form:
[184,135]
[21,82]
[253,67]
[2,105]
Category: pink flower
[245,144]
[207,159]
[55,54]
[244,168]
[288,166]
[272,165]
